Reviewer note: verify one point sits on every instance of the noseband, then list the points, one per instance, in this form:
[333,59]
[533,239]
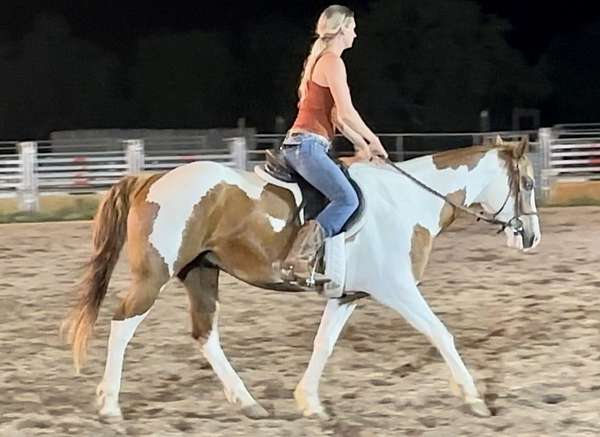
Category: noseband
[514,223]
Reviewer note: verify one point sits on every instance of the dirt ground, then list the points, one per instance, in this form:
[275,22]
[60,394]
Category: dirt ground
[527,326]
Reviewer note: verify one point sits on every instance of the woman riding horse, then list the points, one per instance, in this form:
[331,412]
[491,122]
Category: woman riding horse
[325,104]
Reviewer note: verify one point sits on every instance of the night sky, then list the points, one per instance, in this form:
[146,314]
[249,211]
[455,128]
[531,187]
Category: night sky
[114,24]
[535,28]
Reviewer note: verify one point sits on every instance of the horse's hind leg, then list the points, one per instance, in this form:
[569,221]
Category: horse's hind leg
[201,284]
[409,302]
[333,320]
[145,287]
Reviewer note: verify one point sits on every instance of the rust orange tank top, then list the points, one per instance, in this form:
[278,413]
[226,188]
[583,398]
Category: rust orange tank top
[314,111]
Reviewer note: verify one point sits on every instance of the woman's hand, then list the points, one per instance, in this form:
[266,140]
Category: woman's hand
[363,154]
[376,148]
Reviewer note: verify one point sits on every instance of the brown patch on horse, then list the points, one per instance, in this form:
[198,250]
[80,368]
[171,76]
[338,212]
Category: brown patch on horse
[202,285]
[148,270]
[236,230]
[448,212]
[469,156]
[420,249]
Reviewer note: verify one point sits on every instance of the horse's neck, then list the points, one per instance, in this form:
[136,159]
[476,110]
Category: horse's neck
[461,181]
[462,178]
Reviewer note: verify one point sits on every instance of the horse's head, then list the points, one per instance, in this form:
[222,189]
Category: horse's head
[510,195]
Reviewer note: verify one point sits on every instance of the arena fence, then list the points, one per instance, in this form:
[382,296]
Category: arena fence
[30,169]
[573,152]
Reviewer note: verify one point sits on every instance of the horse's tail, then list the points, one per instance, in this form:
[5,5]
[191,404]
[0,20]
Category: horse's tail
[109,235]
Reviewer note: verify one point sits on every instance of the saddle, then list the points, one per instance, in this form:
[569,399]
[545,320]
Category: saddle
[312,200]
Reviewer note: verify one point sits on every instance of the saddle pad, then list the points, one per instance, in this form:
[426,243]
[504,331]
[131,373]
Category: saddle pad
[292,186]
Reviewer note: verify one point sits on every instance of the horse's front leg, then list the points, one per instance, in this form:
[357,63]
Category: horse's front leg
[407,300]
[307,392]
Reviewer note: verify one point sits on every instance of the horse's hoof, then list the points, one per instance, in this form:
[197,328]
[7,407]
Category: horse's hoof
[479,408]
[107,408]
[320,414]
[310,408]
[112,414]
[255,411]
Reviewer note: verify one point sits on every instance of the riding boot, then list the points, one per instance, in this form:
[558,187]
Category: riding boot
[299,263]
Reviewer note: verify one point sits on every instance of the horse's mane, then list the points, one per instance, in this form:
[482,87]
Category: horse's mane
[454,158]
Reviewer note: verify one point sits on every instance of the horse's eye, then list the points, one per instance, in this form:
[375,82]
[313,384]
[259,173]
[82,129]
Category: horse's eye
[527,183]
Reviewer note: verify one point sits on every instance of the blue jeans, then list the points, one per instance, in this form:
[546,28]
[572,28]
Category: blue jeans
[307,154]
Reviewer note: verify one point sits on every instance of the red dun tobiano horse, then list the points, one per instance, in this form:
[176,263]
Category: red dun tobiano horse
[203,217]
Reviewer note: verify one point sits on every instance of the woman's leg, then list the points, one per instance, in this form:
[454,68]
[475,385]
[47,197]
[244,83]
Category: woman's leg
[311,161]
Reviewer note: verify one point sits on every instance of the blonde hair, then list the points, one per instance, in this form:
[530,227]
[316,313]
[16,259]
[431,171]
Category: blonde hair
[331,21]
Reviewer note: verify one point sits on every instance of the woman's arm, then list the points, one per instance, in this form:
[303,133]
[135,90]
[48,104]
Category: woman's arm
[363,152]
[357,140]
[335,74]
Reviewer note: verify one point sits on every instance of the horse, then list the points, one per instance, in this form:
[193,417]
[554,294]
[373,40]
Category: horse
[204,217]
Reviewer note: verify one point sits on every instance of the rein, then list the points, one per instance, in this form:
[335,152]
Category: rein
[515,223]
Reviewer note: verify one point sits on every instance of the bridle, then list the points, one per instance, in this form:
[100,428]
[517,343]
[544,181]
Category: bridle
[514,223]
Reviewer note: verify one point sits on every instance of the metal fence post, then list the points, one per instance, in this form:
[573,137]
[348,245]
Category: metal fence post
[28,188]
[399,148]
[237,146]
[134,152]
[545,143]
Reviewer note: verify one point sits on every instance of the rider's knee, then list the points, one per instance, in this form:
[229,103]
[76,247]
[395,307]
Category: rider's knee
[351,200]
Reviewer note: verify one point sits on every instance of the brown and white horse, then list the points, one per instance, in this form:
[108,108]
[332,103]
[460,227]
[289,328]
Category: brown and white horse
[204,217]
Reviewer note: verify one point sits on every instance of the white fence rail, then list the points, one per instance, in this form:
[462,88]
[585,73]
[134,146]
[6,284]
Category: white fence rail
[11,174]
[30,169]
[573,152]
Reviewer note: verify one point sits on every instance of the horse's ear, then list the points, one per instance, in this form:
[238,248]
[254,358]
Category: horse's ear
[498,141]
[521,148]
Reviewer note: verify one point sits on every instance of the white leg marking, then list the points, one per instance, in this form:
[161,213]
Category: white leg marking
[234,388]
[333,320]
[409,302]
[121,331]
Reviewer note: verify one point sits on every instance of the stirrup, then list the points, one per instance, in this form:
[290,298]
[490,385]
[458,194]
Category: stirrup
[315,280]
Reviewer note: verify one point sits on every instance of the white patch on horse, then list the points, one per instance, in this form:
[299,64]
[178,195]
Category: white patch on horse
[194,180]
[276,224]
